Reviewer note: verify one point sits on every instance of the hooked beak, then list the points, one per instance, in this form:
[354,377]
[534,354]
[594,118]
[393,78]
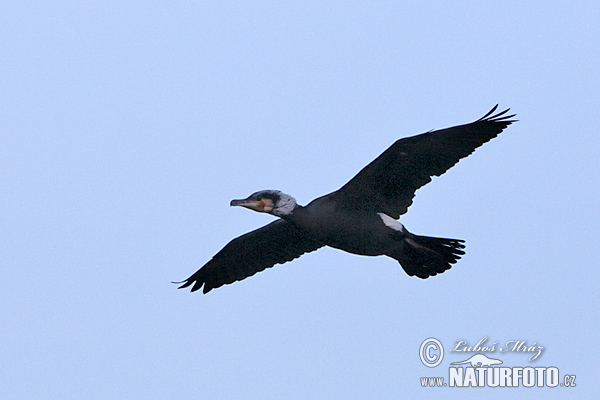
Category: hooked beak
[251,204]
[255,205]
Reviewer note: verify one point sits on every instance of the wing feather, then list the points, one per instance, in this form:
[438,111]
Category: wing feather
[388,184]
[276,243]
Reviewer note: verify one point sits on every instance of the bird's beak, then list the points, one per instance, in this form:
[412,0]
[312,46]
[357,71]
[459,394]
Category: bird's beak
[264,205]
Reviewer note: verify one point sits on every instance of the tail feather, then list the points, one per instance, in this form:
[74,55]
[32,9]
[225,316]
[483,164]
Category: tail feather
[425,256]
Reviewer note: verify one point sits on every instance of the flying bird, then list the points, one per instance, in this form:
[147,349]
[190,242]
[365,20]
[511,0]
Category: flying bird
[361,217]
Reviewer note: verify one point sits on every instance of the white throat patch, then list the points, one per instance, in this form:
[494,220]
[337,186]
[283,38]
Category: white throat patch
[391,222]
[285,205]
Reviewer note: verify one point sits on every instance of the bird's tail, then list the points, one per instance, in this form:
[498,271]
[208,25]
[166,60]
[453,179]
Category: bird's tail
[425,256]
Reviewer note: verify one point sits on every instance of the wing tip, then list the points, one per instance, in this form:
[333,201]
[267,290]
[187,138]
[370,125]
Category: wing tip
[196,283]
[498,117]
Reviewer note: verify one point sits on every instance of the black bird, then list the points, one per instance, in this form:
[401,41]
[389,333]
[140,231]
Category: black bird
[361,217]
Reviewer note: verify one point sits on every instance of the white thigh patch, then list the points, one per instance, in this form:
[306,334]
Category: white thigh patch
[391,222]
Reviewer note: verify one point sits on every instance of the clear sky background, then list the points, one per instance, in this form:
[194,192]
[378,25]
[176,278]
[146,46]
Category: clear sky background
[127,127]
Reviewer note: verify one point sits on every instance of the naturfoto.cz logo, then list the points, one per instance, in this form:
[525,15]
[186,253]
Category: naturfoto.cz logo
[479,370]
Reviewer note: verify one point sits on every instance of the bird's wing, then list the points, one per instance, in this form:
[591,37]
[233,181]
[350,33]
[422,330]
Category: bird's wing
[276,243]
[388,184]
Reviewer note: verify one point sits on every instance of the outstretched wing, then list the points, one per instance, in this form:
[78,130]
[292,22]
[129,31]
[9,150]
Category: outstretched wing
[388,184]
[276,243]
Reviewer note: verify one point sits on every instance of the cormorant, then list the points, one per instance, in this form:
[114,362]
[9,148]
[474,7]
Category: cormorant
[361,217]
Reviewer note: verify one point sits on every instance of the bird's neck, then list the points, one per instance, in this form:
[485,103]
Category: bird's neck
[296,213]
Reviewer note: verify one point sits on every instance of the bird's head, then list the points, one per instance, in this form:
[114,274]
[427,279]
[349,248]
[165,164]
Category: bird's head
[269,201]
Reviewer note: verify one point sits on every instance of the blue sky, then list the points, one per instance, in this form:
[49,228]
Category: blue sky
[127,127]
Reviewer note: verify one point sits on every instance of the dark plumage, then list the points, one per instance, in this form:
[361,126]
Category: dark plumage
[359,218]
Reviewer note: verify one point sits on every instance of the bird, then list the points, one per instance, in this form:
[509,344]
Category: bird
[362,217]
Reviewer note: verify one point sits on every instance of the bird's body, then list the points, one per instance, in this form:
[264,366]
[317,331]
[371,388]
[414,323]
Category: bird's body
[365,233]
[361,217]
